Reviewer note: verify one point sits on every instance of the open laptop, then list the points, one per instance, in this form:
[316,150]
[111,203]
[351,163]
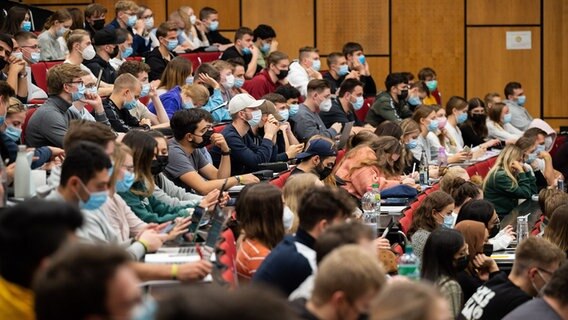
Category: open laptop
[345,133]
[187,252]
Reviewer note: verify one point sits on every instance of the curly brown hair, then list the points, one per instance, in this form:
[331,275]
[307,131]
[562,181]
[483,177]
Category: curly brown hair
[423,218]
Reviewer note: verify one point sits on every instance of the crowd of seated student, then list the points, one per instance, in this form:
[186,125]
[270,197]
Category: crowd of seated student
[131,182]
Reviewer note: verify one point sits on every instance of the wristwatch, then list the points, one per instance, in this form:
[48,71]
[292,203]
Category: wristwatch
[228,153]
[238,179]
[22,75]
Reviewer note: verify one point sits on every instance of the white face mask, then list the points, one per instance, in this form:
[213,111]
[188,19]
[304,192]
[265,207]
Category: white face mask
[325,106]
[192,19]
[229,81]
[89,53]
[288,218]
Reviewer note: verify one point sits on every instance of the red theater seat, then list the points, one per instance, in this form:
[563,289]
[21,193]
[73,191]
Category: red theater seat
[280,181]
[134,59]
[29,114]
[39,71]
[362,113]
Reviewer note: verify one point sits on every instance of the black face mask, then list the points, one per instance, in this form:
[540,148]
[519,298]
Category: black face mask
[488,249]
[493,232]
[99,24]
[478,118]
[282,75]
[403,95]
[159,164]
[323,172]
[114,52]
[206,140]
[461,264]
[2,64]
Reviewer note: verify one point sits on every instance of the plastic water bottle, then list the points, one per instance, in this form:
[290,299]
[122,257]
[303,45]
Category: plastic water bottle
[23,186]
[409,264]
[371,205]
[442,158]
[560,184]
[522,228]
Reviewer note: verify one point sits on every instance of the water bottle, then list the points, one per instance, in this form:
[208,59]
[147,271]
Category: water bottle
[522,228]
[423,169]
[560,184]
[442,158]
[409,264]
[23,186]
[371,205]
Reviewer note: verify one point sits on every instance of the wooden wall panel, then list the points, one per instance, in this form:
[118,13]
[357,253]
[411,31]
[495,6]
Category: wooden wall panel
[430,33]
[363,21]
[503,11]
[228,10]
[158,8]
[555,58]
[56,2]
[490,70]
[293,31]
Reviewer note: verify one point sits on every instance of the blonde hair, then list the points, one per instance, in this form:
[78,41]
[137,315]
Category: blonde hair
[419,301]
[75,36]
[557,229]
[510,154]
[450,176]
[295,187]
[349,269]
[126,81]
[197,92]
[15,106]
[125,5]
[118,157]
[221,65]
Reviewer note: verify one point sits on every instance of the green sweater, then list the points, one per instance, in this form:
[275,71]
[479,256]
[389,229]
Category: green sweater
[500,191]
[149,209]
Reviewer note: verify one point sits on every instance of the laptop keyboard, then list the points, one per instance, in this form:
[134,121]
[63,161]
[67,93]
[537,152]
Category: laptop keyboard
[187,250]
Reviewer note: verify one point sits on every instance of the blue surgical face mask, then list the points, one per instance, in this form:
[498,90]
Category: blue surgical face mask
[255,120]
[294,109]
[507,118]
[414,100]
[2,119]
[127,52]
[61,31]
[412,144]
[172,44]
[129,105]
[145,90]
[284,114]
[95,201]
[239,82]
[343,70]
[521,100]
[432,85]
[131,20]
[145,310]
[461,118]
[189,80]
[214,25]
[126,182]
[531,158]
[433,126]
[27,26]
[79,94]
[188,105]
[13,133]
[540,148]
[448,221]
[246,51]
[316,65]
[34,57]
[265,47]
[92,90]
[362,59]
[358,104]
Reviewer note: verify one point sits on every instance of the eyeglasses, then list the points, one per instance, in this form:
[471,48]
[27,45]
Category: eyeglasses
[31,47]
[80,82]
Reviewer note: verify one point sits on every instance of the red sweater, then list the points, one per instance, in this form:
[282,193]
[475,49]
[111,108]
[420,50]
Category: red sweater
[260,85]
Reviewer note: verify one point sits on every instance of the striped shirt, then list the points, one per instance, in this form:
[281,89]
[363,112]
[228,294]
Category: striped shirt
[250,256]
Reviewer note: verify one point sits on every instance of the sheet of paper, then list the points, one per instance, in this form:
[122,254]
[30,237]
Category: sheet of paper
[519,40]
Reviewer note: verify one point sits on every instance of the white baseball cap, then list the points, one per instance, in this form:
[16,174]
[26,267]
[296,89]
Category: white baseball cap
[242,101]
